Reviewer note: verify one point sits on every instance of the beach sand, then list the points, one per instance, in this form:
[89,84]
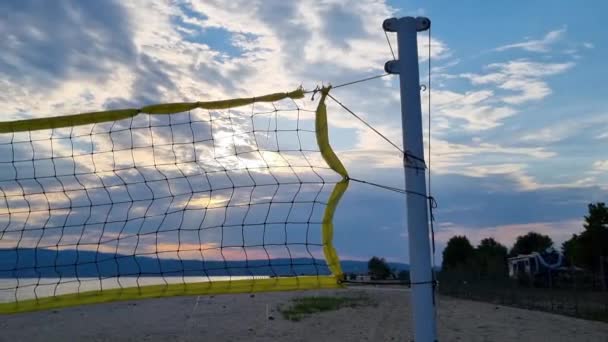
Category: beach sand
[244,318]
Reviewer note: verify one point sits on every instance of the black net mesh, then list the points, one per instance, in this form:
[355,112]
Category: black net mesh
[198,196]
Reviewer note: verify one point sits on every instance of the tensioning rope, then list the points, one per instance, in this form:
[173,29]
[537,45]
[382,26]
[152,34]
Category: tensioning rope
[405,154]
[432,201]
[318,89]
[366,124]
[390,46]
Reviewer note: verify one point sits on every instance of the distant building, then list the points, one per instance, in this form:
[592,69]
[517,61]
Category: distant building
[363,277]
[359,277]
[535,264]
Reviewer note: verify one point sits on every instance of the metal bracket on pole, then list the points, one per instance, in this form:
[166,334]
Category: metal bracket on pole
[392,25]
[421,274]
[391,67]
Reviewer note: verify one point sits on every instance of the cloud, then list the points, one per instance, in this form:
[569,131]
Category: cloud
[559,231]
[477,159]
[456,158]
[341,24]
[526,68]
[139,52]
[602,136]
[60,56]
[530,90]
[151,82]
[569,128]
[536,45]
[524,77]
[497,199]
[601,165]
[48,43]
[498,94]
[473,108]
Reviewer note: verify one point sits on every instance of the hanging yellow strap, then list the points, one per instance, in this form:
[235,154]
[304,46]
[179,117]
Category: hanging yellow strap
[321,128]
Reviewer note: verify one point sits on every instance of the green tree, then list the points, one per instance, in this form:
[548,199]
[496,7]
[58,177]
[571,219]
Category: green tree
[491,258]
[531,242]
[458,253]
[571,250]
[592,243]
[378,268]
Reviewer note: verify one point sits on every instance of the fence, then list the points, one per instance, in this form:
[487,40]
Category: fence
[575,298]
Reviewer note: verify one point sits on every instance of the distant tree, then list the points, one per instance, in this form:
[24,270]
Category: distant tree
[571,250]
[458,253]
[592,243]
[378,268]
[491,246]
[403,276]
[491,258]
[531,242]
[597,218]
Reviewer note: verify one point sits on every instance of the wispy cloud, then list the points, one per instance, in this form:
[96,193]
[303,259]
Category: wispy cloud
[564,129]
[536,45]
[474,108]
[521,76]
[601,165]
[602,136]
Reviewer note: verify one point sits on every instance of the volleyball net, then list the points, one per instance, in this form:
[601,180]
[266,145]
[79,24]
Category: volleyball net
[171,199]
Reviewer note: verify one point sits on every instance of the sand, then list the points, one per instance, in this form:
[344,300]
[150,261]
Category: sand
[244,318]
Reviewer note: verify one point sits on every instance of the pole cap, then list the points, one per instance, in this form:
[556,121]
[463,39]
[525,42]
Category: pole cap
[392,24]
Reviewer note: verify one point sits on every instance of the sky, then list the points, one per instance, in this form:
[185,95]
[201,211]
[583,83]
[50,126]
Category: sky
[519,121]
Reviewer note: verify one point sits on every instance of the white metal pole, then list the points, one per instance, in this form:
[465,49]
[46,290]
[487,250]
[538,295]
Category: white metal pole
[421,274]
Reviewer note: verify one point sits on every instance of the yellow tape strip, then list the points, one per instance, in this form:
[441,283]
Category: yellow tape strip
[113,115]
[187,289]
[322,132]
[321,128]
